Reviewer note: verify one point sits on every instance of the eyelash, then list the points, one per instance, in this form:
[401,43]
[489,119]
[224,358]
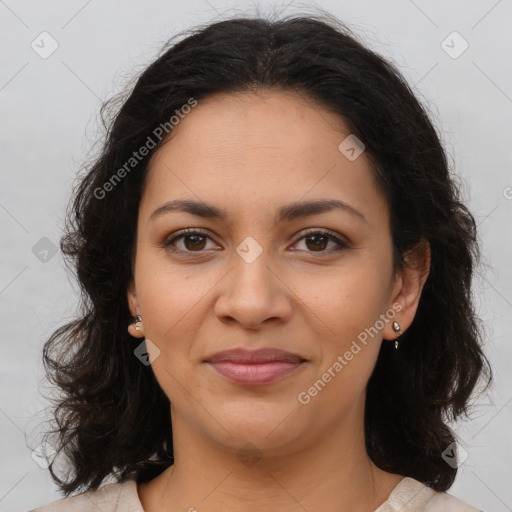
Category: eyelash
[170,240]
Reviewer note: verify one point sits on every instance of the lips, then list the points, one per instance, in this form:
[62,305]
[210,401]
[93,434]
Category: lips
[262,355]
[255,367]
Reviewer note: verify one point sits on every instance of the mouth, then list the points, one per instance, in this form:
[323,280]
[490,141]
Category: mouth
[255,367]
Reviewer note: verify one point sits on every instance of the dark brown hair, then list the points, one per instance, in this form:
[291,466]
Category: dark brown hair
[113,418]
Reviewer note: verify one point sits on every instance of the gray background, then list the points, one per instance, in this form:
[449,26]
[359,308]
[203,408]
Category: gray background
[49,108]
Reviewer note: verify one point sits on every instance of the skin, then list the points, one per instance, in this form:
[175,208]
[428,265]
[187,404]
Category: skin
[249,154]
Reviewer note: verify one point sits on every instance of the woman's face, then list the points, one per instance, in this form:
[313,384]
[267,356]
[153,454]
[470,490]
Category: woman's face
[253,279]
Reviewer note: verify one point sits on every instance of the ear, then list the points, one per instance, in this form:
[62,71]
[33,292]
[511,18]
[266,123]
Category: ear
[133,302]
[407,287]
[134,307]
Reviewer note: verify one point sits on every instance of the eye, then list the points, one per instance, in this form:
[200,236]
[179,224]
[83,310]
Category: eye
[195,241]
[319,239]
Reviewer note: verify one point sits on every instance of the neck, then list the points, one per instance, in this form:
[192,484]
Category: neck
[331,473]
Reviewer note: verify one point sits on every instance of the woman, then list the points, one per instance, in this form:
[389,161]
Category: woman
[276,272]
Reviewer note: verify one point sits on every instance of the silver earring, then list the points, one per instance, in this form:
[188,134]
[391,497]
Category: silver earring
[398,330]
[136,320]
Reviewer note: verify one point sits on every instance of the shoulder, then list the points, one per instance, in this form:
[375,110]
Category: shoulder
[442,501]
[410,495]
[114,497]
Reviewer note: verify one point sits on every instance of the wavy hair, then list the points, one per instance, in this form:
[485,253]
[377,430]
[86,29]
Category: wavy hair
[112,418]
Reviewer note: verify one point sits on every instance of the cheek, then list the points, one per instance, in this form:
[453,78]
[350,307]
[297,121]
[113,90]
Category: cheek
[172,310]
[348,307]
[346,301]
[169,294]
[348,304]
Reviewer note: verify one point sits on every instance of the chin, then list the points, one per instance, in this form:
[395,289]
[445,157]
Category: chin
[265,431]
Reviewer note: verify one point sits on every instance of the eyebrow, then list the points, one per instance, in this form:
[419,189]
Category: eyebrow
[288,212]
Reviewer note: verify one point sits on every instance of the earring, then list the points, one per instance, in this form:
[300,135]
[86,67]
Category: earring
[136,320]
[398,330]
[135,327]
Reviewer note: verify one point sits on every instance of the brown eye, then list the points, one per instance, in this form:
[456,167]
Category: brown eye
[193,241]
[317,241]
[196,242]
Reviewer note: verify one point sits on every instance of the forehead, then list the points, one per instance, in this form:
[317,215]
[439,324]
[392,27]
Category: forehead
[246,150]
[273,122]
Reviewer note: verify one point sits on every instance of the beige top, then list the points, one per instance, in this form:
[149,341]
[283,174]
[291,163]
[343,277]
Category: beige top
[409,495]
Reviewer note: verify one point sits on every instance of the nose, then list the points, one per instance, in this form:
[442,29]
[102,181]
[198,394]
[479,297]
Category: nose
[253,294]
